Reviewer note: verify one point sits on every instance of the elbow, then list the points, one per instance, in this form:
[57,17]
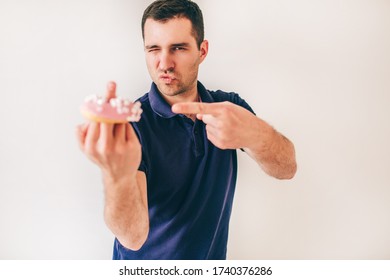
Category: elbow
[289,173]
[131,236]
[133,245]
[290,166]
[134,242]
[282,172]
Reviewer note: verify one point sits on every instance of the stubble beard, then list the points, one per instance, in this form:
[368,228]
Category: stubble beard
[178,88]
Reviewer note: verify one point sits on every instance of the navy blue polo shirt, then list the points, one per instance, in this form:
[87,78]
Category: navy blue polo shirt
[190,182]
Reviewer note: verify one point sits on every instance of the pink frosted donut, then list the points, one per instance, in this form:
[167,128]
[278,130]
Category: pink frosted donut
[116,110]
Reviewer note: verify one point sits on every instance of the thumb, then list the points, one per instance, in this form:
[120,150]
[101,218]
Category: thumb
[111,90]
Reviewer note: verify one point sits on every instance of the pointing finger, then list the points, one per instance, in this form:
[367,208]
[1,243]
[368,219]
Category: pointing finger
[196,108]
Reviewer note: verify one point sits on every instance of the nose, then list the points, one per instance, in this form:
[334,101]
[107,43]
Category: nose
[166,63]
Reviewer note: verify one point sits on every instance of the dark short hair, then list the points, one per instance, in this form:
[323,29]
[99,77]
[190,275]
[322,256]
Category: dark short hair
[163,10]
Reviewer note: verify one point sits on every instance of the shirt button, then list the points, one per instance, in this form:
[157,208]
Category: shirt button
[196,132]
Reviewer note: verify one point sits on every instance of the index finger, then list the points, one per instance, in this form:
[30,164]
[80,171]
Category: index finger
[196,108]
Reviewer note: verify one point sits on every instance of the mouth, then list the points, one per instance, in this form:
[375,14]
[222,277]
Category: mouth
[167,79]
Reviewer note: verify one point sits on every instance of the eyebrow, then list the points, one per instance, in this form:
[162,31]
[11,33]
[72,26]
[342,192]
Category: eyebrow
[151,47]
[148,47]
[180,45]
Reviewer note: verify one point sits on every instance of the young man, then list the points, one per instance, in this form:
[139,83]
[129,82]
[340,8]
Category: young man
[170,178]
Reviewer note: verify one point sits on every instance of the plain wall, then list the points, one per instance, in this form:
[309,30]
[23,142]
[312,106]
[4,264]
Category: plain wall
[318,71]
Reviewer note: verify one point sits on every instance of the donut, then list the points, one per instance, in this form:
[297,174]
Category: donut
[116,110]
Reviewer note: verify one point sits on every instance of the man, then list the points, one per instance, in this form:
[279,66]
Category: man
[169,179]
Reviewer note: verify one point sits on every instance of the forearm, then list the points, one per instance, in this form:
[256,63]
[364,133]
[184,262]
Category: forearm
[126,210]
[230,126]
[272,151]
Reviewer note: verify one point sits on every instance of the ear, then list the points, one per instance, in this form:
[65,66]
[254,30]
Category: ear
[204,49]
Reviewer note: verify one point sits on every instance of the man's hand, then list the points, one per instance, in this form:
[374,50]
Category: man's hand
[113,147]
[116,150]
[228,126]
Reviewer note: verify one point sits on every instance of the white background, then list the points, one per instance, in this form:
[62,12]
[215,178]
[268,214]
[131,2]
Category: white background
[318,71]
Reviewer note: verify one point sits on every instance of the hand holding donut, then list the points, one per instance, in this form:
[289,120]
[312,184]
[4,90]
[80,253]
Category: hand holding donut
[108,139]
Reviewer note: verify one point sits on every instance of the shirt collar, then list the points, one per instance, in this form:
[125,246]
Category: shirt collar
[163,109]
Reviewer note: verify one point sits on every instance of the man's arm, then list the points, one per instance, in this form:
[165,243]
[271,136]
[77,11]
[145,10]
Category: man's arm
[230,126]
[272,151]
[115,148]
[126,210]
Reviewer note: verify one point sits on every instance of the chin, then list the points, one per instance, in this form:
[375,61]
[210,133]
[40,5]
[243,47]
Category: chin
[169,90]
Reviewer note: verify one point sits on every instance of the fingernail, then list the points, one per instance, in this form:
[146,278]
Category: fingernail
[174,108]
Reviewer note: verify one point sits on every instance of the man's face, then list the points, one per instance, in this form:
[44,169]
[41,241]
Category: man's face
[172,55]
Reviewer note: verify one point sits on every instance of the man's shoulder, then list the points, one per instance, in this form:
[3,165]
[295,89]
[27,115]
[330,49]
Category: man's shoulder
[222,96]
[145,103]
[144,98]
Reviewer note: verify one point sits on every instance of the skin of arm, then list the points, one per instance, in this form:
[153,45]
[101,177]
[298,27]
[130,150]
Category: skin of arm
[272,151]
[230,126]
[125,211]
[115,148]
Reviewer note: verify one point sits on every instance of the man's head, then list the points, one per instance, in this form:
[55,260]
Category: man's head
[164,10]
[174,48]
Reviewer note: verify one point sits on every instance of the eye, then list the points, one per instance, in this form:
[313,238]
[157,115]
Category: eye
[178,48]
[152,49]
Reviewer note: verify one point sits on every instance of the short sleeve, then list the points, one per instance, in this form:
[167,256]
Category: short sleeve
[143,166]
